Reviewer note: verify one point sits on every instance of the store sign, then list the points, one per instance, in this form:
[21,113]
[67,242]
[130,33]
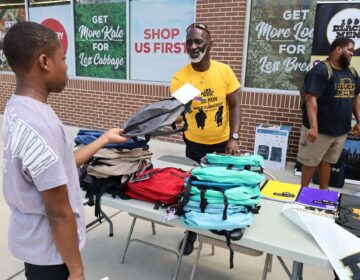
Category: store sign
[59,29]
[8,17]
[158,40]
[345,24]
[332,21]
[56,18]
[100,36]
[279,44]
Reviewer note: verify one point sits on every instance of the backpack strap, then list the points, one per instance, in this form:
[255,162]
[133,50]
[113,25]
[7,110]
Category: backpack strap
[235,234]
[353,71]
[92,190]
[103,185]
[226,204]
[203,202]
[328,68]
[302,90]
[185,198]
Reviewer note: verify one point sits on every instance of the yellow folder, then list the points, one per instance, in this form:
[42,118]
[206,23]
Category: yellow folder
[280,191]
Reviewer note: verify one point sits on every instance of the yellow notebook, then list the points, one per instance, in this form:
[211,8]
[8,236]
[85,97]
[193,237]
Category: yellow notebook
[280,191]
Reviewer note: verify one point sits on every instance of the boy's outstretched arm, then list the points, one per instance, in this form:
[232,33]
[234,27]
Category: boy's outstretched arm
[63,229]
[111,136]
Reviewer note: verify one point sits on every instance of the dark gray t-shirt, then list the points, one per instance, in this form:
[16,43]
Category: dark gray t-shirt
[37,156]
[335,99]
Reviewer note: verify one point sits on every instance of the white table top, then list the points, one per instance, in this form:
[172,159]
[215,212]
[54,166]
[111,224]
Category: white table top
[270,232]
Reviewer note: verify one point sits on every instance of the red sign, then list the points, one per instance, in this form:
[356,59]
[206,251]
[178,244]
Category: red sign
[59,29]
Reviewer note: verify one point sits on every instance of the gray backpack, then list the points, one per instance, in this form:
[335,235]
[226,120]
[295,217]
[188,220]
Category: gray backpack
[152,119]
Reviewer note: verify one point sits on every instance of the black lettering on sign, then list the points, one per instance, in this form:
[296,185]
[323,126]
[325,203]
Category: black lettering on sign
[352,262]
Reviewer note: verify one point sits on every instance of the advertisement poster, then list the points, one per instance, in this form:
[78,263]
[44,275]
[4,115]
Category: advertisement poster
[57,19]
[158,40]
[279,44]
[332,21]
[100,38]
[8,17]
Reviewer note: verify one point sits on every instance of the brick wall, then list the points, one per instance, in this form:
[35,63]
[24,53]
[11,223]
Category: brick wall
[96,104]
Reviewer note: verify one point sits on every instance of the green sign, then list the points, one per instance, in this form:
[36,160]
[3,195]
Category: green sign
[279,43]
[100,39]
[8,17]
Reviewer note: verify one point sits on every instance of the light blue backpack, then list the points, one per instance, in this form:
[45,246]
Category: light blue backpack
[207,221]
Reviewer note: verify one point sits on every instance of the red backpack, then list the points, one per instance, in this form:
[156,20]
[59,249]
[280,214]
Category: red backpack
[159,185]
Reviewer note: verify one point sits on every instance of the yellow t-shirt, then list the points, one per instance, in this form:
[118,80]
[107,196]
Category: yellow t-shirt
[208,121]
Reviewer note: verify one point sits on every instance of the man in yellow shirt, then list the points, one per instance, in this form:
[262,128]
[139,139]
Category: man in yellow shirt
[214,118]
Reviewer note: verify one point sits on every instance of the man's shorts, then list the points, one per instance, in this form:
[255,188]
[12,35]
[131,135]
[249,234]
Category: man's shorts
[326,148]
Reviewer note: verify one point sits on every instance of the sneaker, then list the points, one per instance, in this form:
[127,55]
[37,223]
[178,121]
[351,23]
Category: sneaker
[189,246]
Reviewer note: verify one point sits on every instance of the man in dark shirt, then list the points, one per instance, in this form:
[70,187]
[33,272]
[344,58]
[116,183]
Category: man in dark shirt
[330,102]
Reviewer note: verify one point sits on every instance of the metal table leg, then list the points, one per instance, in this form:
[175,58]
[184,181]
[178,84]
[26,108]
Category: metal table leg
[180,256]
[128,239]
[296,273]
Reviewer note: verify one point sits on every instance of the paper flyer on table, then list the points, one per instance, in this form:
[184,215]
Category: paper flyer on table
[186,93]
[340,246]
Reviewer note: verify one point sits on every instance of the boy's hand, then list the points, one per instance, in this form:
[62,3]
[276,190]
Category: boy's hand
[112,136]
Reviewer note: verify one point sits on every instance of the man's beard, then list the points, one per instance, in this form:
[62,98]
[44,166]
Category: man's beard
[199,58]
[344,61]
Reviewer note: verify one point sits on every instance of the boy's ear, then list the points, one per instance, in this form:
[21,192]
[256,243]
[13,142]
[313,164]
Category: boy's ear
[44,62]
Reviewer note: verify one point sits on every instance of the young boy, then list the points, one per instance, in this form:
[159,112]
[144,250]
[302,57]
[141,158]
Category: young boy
[40,178]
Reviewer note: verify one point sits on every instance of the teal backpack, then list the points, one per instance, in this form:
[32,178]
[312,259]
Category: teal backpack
[226,174]
[246,162]
[223,195]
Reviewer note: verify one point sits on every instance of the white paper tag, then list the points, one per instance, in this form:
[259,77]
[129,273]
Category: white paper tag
[186,93]
[170,214]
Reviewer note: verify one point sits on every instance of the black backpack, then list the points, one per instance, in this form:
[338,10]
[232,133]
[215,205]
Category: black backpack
[330,74]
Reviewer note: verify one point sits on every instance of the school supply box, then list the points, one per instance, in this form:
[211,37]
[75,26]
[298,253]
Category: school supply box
[271,142]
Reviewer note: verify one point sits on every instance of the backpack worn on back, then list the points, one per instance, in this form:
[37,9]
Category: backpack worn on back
[330,74]
[161,186]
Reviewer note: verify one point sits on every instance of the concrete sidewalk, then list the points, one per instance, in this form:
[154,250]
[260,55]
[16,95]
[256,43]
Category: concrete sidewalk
[102,253]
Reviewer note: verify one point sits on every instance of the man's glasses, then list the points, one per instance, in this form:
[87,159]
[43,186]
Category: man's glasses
[199,25]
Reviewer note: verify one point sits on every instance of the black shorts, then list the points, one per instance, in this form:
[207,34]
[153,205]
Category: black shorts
[46,272]
[196,151]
